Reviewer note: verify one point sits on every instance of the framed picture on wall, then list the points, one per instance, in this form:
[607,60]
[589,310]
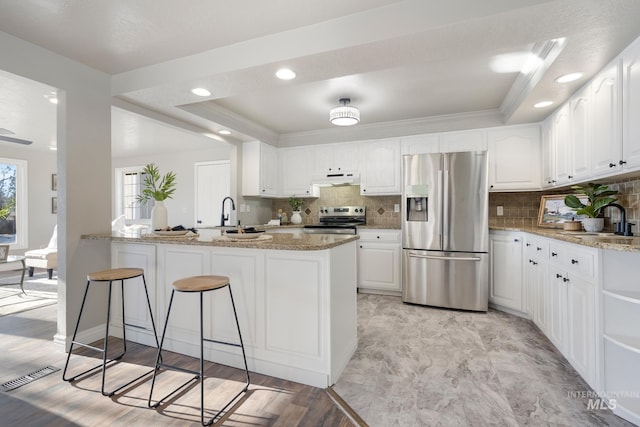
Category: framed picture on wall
[553,212]
[4,252]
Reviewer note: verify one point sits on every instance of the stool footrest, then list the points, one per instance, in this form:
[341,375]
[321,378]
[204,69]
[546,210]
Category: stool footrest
[155,405]
[178,368]
[222,342]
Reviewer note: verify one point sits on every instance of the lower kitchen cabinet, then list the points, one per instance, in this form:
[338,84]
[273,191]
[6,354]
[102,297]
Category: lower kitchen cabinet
[379,262]
[505,274]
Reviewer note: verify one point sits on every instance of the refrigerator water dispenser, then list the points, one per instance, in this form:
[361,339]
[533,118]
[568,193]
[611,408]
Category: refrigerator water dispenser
[417,208]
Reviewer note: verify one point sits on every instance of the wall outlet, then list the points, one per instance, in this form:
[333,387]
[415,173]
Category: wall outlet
[500,210]
[396,207]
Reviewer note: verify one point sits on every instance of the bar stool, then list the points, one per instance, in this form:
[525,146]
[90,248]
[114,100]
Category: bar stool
[109,276]
[199,284]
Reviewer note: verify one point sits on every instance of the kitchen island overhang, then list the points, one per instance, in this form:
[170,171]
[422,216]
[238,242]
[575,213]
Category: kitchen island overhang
[295,295]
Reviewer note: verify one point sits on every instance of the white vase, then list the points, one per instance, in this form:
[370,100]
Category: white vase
[158,216]
[593,225]
[296,218]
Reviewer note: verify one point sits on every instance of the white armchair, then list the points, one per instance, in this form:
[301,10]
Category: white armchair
[45,257]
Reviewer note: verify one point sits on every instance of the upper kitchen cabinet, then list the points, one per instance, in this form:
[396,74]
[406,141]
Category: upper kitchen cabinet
[548,156]
[473,140]
[605,122]
[259,171]
[296,172]
[514,158]
[380,167]
[631,107]
[335,158]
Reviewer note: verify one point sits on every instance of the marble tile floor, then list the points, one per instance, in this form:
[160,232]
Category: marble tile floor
[421,366]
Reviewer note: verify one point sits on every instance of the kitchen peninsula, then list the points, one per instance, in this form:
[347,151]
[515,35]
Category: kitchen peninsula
[295,295]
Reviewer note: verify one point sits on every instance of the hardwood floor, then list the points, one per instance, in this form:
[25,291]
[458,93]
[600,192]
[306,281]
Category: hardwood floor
[26,346]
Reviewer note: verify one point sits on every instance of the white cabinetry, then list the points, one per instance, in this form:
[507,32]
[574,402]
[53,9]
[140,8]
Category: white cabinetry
[514,158]
[296,172]
[580,151]
[548,154]
[561,137]
[333,158]
[536,260]
[474,140]
[505,275]
[259,171]
[605,129]
[621,317]
[631,106]
[379,261]
[380,167]
[421,144]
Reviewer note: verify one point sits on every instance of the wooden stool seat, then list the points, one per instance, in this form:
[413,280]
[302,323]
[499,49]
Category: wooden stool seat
[115,274]
[200,283]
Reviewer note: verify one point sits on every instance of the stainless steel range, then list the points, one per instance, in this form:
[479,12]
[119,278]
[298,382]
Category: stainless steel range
[338,220]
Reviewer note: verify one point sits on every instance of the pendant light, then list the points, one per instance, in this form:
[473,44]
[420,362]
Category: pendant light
[344,115]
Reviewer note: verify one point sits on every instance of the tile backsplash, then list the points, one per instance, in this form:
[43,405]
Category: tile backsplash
[521,209]
[380,209]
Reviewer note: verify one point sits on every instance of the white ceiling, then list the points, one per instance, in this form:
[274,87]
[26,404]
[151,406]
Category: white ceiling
[409,65]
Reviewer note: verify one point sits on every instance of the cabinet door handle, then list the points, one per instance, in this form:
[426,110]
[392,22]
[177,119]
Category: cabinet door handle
[558,275]
[565,279]
[612,165]
[360,246]
[574,261]
[516,240]
[622,162]
[377,237]
[554,254]
[570,176]
[538,248]
[528,244]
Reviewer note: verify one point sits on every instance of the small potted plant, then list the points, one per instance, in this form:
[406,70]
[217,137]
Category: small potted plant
[159,188]
[295,204]
[598,197]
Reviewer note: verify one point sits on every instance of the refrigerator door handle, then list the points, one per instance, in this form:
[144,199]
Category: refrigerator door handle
[445,258]
[440,202]
[445,212]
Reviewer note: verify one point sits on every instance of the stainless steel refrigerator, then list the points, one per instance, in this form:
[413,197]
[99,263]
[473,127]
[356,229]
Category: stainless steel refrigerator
[445,230]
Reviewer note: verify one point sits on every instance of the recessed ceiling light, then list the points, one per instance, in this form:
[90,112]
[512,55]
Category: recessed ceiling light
[285,74]
[543,104]
[224,132]
[569,77]
[200,91]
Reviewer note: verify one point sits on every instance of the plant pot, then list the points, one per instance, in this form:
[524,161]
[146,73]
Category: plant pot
[159,215]
[593,225]
[296,218]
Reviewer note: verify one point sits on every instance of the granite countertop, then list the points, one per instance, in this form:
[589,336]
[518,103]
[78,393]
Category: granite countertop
[278,241]
[601,241]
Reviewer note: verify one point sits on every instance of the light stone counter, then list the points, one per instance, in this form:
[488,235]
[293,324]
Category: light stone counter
[279,241]
[601,241]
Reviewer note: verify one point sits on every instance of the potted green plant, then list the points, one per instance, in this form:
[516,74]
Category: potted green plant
[159,188]
[598,197]
[295,204]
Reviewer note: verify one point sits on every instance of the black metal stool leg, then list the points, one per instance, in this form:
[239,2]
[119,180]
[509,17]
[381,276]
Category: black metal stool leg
[244,356]
[73,340]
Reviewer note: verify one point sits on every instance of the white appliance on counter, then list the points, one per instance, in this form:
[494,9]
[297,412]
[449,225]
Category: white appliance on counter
[445,230]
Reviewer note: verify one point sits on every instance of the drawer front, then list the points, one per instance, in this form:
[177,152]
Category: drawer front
[536,247]
[580,261]
[387,236]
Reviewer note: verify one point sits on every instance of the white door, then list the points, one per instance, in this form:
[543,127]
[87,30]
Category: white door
[213,183]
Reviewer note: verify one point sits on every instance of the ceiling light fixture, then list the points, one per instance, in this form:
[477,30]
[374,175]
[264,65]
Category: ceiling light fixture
[344,115]
[224,132]
[569,77]
[543,104]
[200,91]
[285,74]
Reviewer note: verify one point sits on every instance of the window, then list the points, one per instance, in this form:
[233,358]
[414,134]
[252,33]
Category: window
[13,203]
[129,185]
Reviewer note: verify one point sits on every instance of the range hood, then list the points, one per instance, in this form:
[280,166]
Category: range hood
[336,178]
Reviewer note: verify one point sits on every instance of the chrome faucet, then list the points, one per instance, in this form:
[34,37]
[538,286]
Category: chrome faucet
[224,217]
[622,228]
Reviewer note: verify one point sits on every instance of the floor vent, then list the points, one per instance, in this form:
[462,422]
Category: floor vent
[26,379]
